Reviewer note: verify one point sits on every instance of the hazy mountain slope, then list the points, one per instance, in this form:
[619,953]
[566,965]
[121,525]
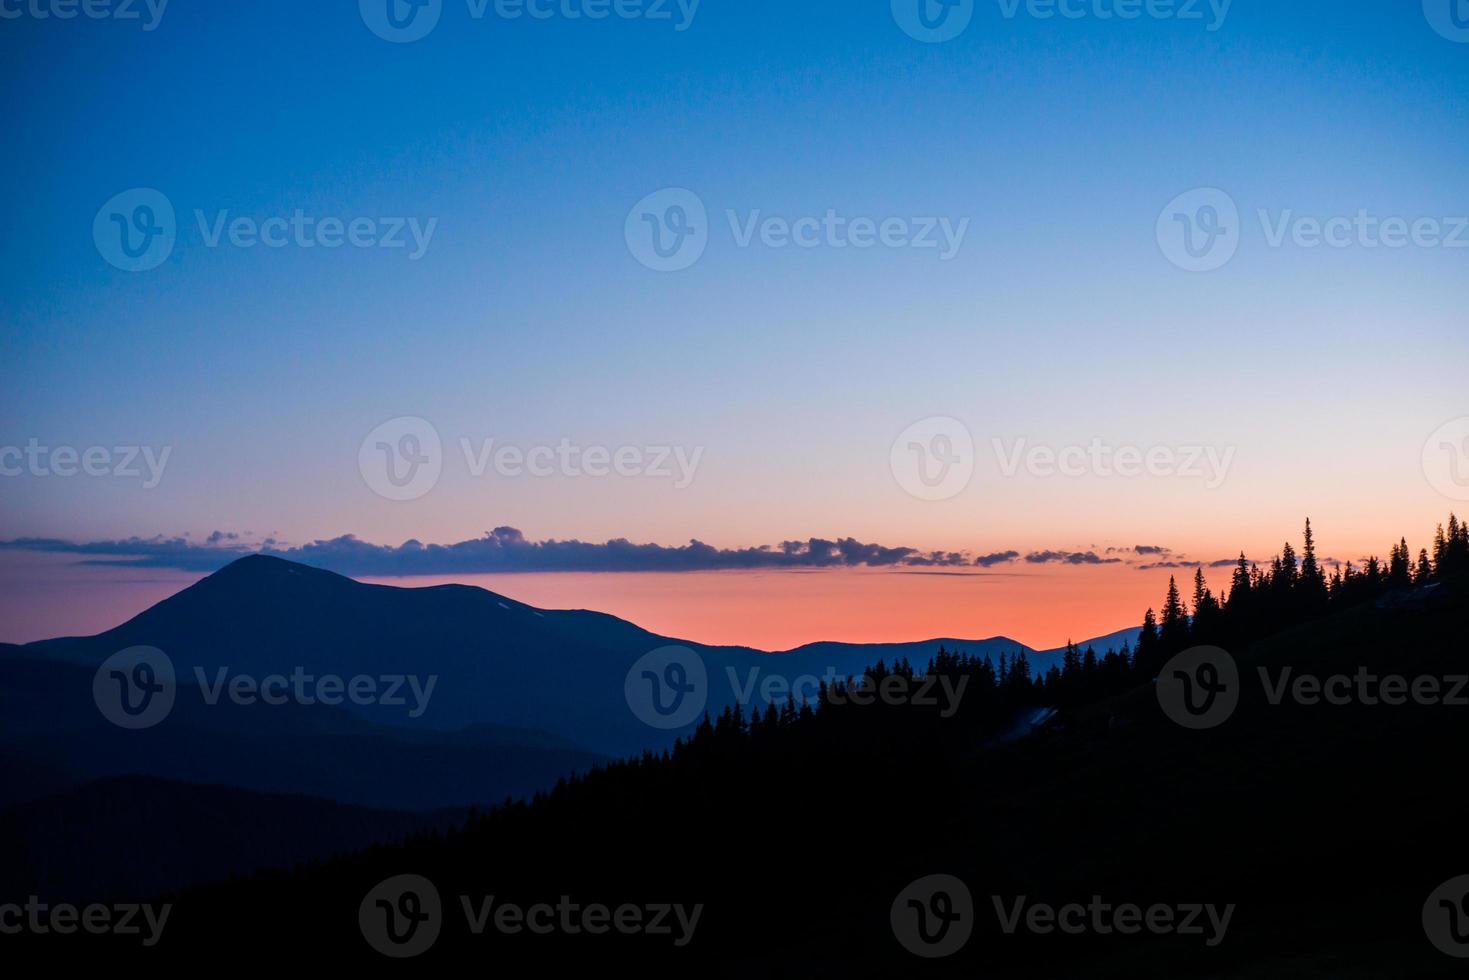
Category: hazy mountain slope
[52,736]
[127,837]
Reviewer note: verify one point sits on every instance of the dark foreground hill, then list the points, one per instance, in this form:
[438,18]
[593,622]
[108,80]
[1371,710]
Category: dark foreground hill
[1320,830]
[119,838]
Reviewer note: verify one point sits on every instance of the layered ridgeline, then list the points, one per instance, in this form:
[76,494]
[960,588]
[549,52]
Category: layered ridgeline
[470,698]
[451,658]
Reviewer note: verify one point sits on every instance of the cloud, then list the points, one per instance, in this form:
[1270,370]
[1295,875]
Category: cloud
[1142,550]
[156,552]
[1070,558]
[506,549]
[1220,563]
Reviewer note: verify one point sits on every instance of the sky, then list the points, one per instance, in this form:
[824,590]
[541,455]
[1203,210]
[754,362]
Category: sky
[1064,253]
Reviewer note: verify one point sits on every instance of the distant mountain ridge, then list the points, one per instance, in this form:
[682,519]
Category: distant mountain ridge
[918,652]
[497,661]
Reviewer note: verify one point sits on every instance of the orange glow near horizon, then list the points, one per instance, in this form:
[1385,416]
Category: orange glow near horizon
[44,595]
[777,610]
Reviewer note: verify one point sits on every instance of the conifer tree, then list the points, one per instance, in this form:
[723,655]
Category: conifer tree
[1146,660]
[1173,630]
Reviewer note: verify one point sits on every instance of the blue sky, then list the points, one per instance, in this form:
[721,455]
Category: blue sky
[528,319]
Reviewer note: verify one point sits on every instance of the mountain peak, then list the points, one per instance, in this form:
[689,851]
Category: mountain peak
[268,568]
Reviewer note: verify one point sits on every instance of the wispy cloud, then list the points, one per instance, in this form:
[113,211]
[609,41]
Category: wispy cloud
[1069,558]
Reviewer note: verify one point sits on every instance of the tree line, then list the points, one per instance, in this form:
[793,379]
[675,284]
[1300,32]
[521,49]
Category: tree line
[997,695]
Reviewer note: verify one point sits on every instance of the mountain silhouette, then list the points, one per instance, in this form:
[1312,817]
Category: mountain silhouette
[501,662]
[523,697]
